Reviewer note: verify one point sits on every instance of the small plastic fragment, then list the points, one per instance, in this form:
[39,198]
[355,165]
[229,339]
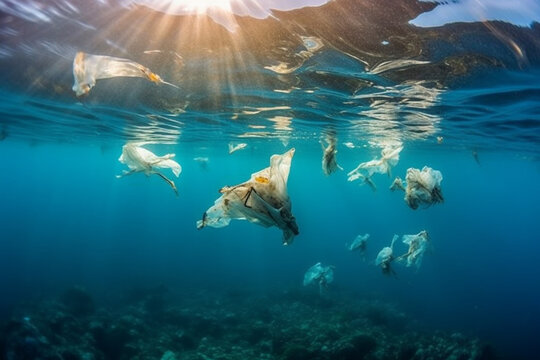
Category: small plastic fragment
[235,147]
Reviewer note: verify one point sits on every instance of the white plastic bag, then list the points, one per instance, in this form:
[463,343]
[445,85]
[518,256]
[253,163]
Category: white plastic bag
[88,68]
[263,200]
[138,159]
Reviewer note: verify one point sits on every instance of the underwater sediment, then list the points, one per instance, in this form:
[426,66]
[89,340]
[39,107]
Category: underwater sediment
[201,325]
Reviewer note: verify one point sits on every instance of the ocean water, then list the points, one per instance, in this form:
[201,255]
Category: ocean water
[98,267]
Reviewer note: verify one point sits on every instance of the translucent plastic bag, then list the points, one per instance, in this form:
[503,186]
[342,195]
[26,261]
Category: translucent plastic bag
[88,68]
[386,256]
[319,275]
[389,158]
[263,200]
[418,244]
[423,187]
[138,159]
[359,243]
[329,160]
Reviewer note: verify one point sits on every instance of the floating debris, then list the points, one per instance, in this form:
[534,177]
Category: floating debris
[397,184]
[440,139]
[202,160]
[418,245]
[349,144]
[88,68]
[319,275]
[138,159]
[385,257]
[235,147]
[423,187]
[329,162]
[389,158]
[263,200]
[359,243]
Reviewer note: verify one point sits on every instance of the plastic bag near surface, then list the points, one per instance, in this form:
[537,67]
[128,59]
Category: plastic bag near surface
[319,274]
[329,159]
[423,187]
[418,244]
[263,200]
[88,68]
[139,159]
[389,158]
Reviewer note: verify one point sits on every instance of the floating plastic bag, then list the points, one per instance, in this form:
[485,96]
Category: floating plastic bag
[397,184]
[423,187]
[235,147]
[389,158]
[319,275]
[359,243]
[418,245]
[385,257]
[263,200]
[88,68]
[138,159]
[329,161]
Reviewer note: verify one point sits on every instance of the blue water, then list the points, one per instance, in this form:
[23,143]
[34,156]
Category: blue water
[66,220]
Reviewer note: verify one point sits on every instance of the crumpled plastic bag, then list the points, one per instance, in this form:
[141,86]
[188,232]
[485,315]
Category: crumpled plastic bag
[88,68]
[329,159]
[386,256]
[389,158]
[423,187]
[320,275]
[359,243]
[138,159]
[418,244]
[263,200]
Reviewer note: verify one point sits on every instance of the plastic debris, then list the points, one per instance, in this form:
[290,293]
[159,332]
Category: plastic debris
[423,187]
[397,184]
[319,275]
[235,147]
[385,257]
[418,244]
[263,200]
[138,159]
[389,158]
[359,243]
[329,162]
[88,68]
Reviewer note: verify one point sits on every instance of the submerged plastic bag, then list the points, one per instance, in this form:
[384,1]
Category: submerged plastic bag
[138,159]
[263,200]
[418,245]
[319,275]
[389,158]
[359,243]
[385,257]
[329,161]
[88,68]
[423,187]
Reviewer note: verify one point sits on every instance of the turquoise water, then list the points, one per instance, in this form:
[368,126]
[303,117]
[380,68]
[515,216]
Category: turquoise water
[68,221]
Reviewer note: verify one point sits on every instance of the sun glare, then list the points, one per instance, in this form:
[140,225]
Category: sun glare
[200,6]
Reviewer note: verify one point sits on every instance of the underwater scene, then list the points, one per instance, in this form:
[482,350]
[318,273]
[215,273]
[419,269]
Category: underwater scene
[269,179]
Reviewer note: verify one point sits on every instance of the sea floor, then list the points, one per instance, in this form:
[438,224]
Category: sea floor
[157,323]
